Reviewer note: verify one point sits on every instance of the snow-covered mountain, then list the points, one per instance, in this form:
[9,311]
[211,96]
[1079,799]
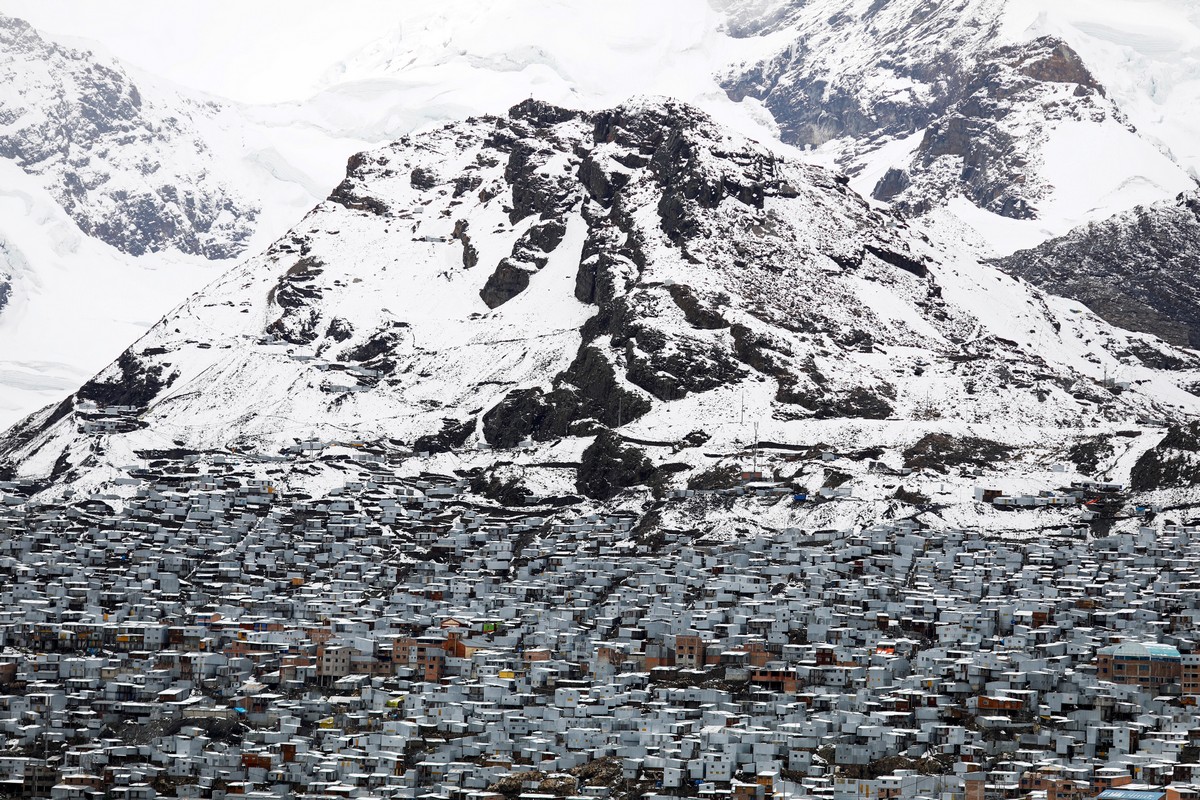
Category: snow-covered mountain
[1009,122]
[130,169]
[122,195]
[1146,54]
[276,161]
[969,103]
[72,301]
[552,274]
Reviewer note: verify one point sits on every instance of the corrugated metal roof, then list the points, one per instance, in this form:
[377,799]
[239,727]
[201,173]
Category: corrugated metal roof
[1131,794]
[1140,650]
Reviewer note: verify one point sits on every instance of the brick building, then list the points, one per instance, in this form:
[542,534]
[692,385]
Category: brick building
[1142,664]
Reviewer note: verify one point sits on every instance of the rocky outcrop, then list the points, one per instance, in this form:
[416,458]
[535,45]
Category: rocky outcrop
[453,435]
[940,452]
[1137,269]
[1174,462]
[350,192]
[529,255]
[608,466]
[586,395]
[668,341]
[984,144]
[127,170]
[296,295]
[131,381]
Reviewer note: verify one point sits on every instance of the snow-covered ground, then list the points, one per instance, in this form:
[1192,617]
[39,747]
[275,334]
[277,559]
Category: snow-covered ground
[461,57]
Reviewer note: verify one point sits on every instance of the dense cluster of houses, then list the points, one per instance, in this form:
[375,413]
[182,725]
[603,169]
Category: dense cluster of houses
[213,633]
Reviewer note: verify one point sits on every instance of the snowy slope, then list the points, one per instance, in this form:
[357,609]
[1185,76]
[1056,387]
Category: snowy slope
[74,301]
[451,59]
[550,274]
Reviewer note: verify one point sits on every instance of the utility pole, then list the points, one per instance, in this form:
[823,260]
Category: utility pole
[756,448]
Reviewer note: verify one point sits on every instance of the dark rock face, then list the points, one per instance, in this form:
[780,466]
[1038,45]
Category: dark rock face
[585,395]
[1088,453]
[509,279]
[127,172]
[612,257]
[422,178]
[380,343]
[608,466]
[453,435]
[1175,462]
[470,255]
[521,414]
[131,381]
[529,255]
[939,451]
[861,403]
[698,313]
[507,491]
[339,330]
[352,193]
[297,296]
[900,260]
[536,188]
[893,182]
[541,114]
[975,136]
[665,141]
[1137,270]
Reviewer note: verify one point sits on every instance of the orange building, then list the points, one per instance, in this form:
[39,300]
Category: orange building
[1149,665]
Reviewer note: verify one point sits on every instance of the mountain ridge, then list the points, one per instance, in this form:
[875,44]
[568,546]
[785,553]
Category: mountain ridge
[670,271]
[1134,269]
